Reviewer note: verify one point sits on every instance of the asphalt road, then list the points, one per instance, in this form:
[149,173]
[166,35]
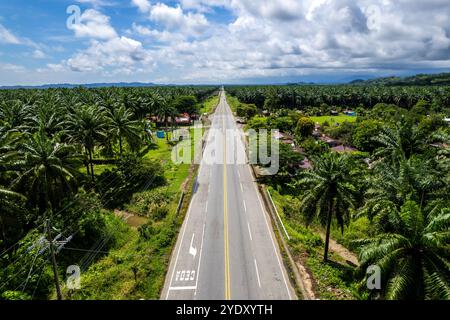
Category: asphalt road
[226,248]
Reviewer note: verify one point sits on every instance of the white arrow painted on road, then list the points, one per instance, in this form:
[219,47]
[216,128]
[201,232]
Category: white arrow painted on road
[192,250]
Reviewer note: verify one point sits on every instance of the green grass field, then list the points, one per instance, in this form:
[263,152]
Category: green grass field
[334,119]
[147,254]
[304,239]
[233,102]
[209,105]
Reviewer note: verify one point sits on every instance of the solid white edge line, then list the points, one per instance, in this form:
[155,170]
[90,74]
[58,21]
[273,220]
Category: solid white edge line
[181,243]
[200,259]
[270,233]
[257,274]
[182,288]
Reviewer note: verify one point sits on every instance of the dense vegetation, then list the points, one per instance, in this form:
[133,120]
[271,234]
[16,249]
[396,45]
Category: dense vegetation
[387,199]
[70,157]
[417,80]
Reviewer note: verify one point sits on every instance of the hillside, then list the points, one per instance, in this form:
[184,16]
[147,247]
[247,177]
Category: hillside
[417,80]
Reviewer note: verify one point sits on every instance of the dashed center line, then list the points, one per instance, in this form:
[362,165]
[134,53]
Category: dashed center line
[257,274]
[249,232]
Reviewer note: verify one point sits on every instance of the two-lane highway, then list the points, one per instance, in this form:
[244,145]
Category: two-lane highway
[226,248]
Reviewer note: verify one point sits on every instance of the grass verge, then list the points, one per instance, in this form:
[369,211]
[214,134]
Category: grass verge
[334,119]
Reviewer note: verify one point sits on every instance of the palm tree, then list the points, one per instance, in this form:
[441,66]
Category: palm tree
[414,258]
[88,126]
[8,152]
[399,142]
[13,115]
[48,117]
[166,111]
[48,171]
[123,127]
[329,192]
[8,202]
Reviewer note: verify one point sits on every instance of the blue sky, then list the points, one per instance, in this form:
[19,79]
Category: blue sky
[221,41]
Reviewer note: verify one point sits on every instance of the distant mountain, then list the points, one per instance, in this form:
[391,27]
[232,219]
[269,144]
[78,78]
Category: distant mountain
[89,85]
[442,79]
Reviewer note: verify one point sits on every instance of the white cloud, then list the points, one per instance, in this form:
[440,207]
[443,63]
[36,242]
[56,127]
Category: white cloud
[160,36]
[114,53]
[174,19]
[7,36]
[38,54]
[143,5]
[94,24]
[266,38]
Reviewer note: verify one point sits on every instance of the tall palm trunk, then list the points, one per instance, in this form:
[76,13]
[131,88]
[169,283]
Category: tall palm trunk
[167,129]
[3,228]
[92,164]
[86,163]
[327,236]
[120,146]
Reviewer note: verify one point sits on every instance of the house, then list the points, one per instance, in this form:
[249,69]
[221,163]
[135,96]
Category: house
[350,113]
[183,119]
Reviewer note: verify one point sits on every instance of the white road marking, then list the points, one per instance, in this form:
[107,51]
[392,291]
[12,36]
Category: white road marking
[245,207]
[249,232]
[182,288]
[181,243]
[200,259]
[270,233]
[242,188]
[257,274]
[206,205]
[192,250]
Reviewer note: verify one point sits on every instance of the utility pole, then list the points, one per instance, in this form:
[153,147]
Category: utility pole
[52,252]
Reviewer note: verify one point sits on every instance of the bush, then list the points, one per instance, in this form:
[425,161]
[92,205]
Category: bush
[305,128]
[152,204]
[364,133]
[117,186]
[257,123]
[246,110]
[315,147]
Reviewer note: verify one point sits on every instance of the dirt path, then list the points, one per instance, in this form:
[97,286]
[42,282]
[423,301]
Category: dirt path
[132,220]
[342,251]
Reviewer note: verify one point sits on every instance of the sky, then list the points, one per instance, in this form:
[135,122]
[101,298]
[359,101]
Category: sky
[220,41]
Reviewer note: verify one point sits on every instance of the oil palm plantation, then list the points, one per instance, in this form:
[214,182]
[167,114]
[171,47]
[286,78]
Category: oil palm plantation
[166,112]
[48,171]
[10,202]
[413,258]
[88,126]
[123,127]
[329,192]
[13,114]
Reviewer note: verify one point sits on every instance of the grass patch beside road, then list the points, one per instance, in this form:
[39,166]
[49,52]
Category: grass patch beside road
[233,102]
[334,119]
[136,267]
[209,105]
[330,281]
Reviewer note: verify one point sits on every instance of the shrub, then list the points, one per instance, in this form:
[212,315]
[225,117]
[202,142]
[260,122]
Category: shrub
[116,187]
[153,204]
[305,127]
